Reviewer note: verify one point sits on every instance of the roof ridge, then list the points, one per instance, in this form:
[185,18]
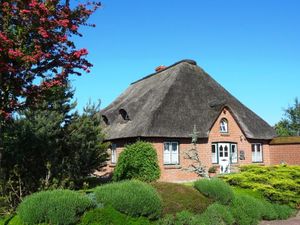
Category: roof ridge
[189,61]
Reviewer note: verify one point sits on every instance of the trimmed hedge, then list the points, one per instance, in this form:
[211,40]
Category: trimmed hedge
[279,184]
[216,189]
[137,161]
[55,207]
[133,198]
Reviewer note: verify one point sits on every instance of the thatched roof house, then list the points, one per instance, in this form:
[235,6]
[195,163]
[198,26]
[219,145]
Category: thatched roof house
[164,107]
[170,102]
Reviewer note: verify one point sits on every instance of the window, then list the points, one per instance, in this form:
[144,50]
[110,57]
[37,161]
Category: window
[105,120]
[124,114]
[224,126]
[233,153]
[113,153]
[214,153]
[257,153]
[171,155]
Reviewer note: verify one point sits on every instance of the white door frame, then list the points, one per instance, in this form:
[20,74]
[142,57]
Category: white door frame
[224,157]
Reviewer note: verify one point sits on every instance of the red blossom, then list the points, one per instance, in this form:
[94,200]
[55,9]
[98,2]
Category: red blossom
[80,52]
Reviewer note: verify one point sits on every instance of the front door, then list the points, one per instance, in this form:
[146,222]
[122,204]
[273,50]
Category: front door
[224,160]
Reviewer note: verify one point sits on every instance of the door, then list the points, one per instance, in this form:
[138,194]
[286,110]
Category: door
[224,159]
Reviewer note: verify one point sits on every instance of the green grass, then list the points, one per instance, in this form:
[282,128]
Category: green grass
[179,197]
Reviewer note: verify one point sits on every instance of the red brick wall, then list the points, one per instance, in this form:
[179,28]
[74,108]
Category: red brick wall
[178,173]
[287,153]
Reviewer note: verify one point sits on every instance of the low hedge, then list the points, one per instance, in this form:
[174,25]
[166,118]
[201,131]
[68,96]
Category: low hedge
[279,184]
[109,216]
[133,198]
[217,214]
[216,189]
[54,207]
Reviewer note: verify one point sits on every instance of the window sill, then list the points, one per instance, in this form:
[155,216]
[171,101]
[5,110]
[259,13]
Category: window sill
[225,134]
[112,165]
[172,166]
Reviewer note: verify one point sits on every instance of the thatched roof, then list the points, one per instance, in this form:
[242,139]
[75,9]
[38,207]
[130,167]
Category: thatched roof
[285,140]
[170,102]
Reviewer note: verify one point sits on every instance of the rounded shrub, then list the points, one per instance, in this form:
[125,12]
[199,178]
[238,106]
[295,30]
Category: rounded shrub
[137,161]
[133,198]
[216,189]
[54,207]
[217,214]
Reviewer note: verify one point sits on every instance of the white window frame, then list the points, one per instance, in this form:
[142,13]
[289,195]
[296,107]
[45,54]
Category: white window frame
[257,156]
[169,157]
[214,155]
[224,125]
[233,157]
[113,153]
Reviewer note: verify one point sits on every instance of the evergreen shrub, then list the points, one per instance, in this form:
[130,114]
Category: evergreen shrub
[133,198]
[279,184]
[216,189]
[109,216]
[217,214]
[54,207]
[137,161]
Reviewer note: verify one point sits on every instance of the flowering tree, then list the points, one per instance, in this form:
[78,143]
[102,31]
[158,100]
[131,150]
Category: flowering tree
[35,46]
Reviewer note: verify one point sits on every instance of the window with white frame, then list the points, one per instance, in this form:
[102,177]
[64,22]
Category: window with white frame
[233,153]
[113,153]
[224,126]
[257,154]
[214,153]
[171,153]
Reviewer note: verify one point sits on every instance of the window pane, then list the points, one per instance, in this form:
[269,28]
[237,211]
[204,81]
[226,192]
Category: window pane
[167,153]
[221,151]
[226,151]
[174,156]
[214,156]
[234,154]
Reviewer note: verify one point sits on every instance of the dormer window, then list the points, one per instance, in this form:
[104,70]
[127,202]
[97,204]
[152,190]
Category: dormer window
[224,126]
[124,114]
[105,120]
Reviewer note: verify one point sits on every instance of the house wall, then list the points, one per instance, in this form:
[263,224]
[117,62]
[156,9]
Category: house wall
[285,153]
[180,173]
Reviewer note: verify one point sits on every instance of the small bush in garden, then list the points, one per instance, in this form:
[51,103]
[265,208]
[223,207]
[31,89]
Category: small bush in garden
[283,211]
[55,207]
[217,214]
[108,216]
[133,198]
[216,189]
[246,210]
[182,218]
[137,161]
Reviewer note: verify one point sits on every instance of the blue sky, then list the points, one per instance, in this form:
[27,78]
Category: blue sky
[251,47]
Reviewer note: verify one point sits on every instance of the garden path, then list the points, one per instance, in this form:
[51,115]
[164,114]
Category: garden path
[290,221]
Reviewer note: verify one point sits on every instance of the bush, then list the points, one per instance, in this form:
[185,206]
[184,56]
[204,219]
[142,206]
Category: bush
[55,207]
[246,210]
[279,184]
[283,211]
[137,161]
[179,197]
[216,189]
[217,214]
[108,216]
[182,218]
[133,198]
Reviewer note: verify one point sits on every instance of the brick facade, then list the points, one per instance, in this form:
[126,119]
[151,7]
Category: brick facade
[179,173]
[285,153]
